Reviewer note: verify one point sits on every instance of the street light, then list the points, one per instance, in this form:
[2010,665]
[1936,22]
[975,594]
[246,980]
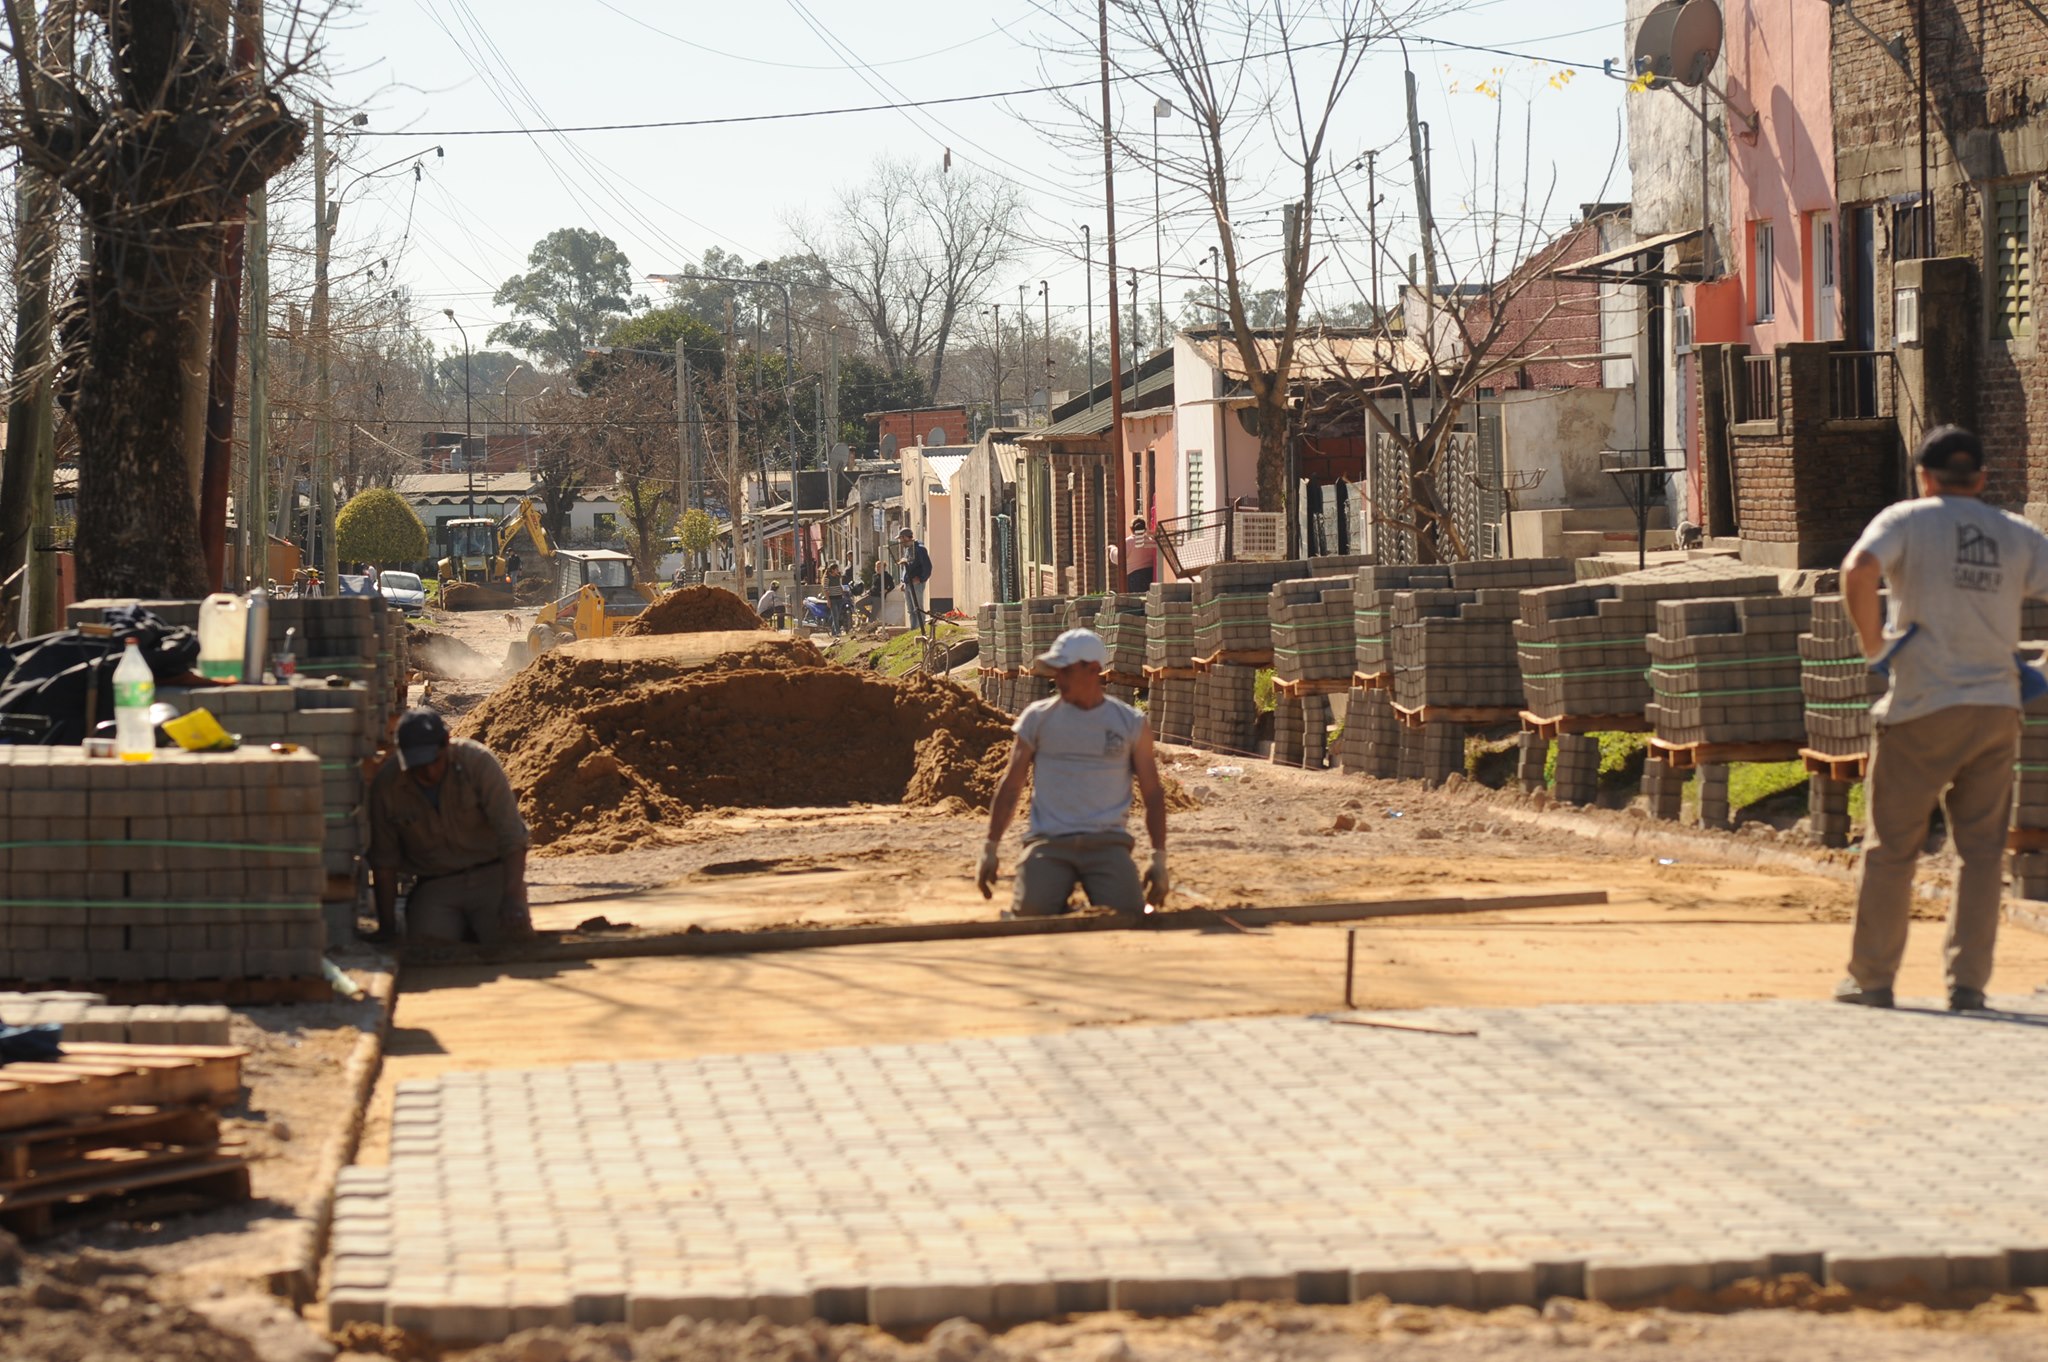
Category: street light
[468,463]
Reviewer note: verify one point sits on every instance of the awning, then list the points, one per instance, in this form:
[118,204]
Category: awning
[1618,265]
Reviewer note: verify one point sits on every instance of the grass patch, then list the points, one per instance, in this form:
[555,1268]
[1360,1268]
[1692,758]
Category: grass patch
[1753,782]
[1263,692]
[904,654]
[1621,759]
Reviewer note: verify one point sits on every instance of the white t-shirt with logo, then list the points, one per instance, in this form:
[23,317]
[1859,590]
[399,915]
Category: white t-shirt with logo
[1959,570]
[1082,766]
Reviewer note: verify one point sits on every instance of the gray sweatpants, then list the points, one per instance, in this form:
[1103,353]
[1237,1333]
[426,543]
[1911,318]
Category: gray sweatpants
[1099,862]
[466,906]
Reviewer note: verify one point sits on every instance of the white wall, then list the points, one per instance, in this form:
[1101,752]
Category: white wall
[1564,433]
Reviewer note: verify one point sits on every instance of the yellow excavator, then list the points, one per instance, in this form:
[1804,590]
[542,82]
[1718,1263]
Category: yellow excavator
[520,535]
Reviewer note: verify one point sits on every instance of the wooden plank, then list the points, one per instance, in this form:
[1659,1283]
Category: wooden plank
[2026,839]
[1170,673]
[221,1179]
[98,1164]
[21,1151]
[150,1076]
[1835,767]
[1321,685]
[1238,657]
[1470,715]
[1583,723]
[1688,756]
[1372,680]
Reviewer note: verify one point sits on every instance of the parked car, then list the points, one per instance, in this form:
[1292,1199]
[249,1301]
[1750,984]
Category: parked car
[404,590]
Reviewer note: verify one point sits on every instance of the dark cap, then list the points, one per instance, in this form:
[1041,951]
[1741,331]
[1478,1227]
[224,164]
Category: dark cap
[1951,450]
[422,736]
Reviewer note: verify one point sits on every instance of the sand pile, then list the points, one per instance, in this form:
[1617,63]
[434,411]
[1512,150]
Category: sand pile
[447,657]
[693,610]
[606,752]
[472,596]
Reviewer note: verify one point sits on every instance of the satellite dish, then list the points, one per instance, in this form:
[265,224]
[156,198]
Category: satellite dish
[841,455]
[1679,41]
[935,437]
[888,446]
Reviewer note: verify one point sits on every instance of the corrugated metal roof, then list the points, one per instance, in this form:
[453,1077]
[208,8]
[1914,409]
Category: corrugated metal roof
[1094,420]
[945,467]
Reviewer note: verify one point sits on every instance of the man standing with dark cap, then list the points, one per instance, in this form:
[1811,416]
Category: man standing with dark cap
[442,811]
[1948,727]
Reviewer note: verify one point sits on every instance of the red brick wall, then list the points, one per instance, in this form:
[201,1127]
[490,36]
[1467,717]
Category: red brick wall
[1550,319]
[1816,482]
[910,427]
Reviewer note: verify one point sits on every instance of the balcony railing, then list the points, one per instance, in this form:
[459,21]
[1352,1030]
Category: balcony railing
[1759,389]
[1855,379]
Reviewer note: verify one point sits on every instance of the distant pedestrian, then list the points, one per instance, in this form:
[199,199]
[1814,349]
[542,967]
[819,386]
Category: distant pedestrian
[1947,729]
[916,568]
[1081,751]
[1139,556]
[771,607]
[836,611]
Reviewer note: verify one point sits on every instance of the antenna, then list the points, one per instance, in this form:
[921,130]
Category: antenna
[935,437]
[889,446]
[1678,42]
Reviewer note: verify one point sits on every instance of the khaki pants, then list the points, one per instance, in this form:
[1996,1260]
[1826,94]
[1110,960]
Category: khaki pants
[466,906]
[1961,757]
[1099,863]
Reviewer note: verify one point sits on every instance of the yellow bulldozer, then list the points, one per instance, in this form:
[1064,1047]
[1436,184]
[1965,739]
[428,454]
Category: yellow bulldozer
[594,593]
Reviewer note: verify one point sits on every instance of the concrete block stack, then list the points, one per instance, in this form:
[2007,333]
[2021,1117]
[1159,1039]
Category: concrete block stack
[1728,670]
[1120,620]
[1227,706]
[1231,609]
[1312,657]
[1372,736]
[987,674]
[1584,649]
[1170,659]
[1837,682]
[87,1017]
[196,868]
[1044,620]
[1455,647]
[332,721]
[1082,610]
[2029,859]
[1009,650]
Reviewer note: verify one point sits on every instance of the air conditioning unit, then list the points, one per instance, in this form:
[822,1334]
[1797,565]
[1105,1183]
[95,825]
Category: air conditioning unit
[1681,331]
[1259,536]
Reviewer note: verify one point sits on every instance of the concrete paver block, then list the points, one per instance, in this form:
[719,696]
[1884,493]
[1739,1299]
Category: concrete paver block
[1026,1300]
[1978,1268]
[348,1305]
[1421,1283]
[1082,1296]
[1497,1284]
[1885,1271]
[1323,1286]
[897,1307]
[1273,1288]
[1616,1281]
[1168,1295]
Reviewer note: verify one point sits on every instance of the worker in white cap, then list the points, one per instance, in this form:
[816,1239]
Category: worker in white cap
[1081,751]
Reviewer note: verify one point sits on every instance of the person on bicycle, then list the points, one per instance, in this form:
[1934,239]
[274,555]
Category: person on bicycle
[917,574]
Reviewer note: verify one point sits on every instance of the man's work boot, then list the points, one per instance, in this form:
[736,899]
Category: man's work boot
[1849,991]
[1966,1000]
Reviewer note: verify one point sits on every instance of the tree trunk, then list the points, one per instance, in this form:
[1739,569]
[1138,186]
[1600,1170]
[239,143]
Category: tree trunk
[138,526]
[1272,457]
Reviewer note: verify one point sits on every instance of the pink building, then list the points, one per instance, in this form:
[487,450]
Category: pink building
[1782,172]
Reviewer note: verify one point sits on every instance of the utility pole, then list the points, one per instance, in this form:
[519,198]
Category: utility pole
[1372,226]
[1024,348]
[1113,491]
[996,403]
[1137,331]
[1088,282]
[1162,109]
[323,382]
[1424,217]
[28,471]
[736,489]
[256,510]
[217,466]
[686,482]
[1045,301]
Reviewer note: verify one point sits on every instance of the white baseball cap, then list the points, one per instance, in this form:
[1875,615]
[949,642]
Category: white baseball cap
[1076,645]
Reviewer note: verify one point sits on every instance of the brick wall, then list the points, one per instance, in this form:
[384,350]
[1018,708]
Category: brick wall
[910,427]
[1987,71]
[1815,483]
[1549,319]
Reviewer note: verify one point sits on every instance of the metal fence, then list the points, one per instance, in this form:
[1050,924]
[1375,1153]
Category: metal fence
[1759,388]
[1855,379]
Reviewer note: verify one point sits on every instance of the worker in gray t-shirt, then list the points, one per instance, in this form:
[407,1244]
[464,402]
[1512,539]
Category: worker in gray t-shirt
[1948,728]
[1080,750]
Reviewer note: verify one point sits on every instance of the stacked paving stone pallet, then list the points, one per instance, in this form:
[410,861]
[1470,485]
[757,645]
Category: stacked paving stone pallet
[1170,659]
[1837,682]
[187,867]
[331,720]
[1120,620]
[2029,858]
[1584,654]
[1728,670]
[1372,735]
[987,673]
[1312,656]
[1009,653]
[1455,647]
[87,1017]
[1043,620]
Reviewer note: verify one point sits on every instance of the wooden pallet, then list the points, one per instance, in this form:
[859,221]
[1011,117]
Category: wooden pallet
[1236,657]
[1689,756]
[93,1079]
[1169,674]
[2026,839]
[1472,716]
[1372,680]
[1583,723]
[37,1153]
[1833,767]
[144,1188]
[1321,685]
[1124,679]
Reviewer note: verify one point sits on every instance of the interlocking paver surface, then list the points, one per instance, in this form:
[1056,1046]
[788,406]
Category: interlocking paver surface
[1615,1150]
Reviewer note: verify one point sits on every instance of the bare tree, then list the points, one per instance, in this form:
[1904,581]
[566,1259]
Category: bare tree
[913,247]
[1256,79]
[155,206]
[630,442]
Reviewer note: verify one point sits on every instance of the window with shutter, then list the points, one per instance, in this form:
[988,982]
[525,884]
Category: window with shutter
[2012,259]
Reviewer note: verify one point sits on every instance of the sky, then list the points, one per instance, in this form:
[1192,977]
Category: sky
[426,72]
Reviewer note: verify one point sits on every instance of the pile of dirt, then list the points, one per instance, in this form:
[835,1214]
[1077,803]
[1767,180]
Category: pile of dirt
[532,590]
[693,610]
[446,657]
[471,596]
[93,1307]
[606,752]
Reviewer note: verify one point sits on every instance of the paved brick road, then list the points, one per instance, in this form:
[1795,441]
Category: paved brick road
[1607,1151]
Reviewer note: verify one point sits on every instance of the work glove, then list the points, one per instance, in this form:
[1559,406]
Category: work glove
[1156,881]
[985,874]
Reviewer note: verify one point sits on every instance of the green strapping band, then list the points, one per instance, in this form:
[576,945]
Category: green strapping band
[163,842]
[2030,766]
[1716,694]
[154,903]
[1590,671]
[1836,662]
[1304,652]
[1815,704]
[1725,662]
[1622,640]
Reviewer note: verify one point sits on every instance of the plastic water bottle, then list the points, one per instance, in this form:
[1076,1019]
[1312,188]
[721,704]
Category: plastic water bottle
[134,693]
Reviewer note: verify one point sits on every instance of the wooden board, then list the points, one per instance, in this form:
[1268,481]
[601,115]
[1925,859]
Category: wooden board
[1322,685]
[26,1151]
[2026,839]
[1124,679]
[1583,723]
[1237,657]
[1372,680]
[92,1079]
[1688,756]
[233,992]
[215,1179]
[1834,767]
[97,1165]
[1472,716]
[1170,674]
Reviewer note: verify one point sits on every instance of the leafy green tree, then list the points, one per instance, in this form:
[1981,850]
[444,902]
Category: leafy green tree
[866,386]
[662,330]
[696,529]
[580,287]
[378,526]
